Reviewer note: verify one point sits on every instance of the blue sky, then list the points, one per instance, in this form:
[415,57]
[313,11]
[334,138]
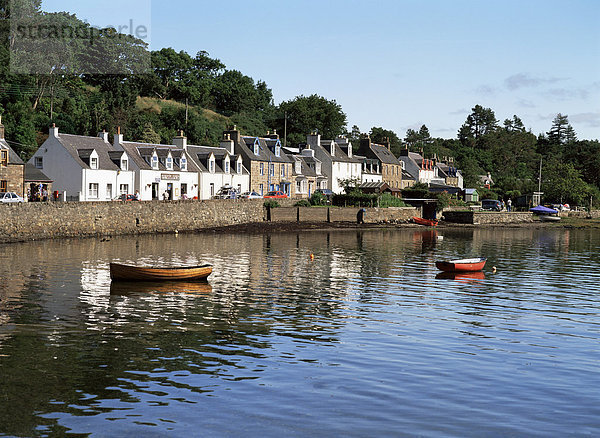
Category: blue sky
[397,64]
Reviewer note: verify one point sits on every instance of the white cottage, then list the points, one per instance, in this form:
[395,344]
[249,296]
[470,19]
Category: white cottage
[218,167]
[84,168]
[337,162]
[162,171]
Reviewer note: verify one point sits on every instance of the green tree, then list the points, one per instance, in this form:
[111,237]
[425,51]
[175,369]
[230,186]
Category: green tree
[514,124]
[479,123]
[562,183]
[149,135]
[307,113]
[561,131]
[380,135]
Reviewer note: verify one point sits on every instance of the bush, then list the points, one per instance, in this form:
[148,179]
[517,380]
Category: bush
[355,199]
[387,200]
[318,199]
[302,203]
[271,203]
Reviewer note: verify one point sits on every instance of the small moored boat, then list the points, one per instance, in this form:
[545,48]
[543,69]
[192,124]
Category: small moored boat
[144,273]
[464,265]
[427,222]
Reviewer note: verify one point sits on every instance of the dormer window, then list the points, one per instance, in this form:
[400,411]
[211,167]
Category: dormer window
[155,161]
[277,151]
[183,163]
[226,166]
[318,168]
[256,147]
[211,166]
[39,162]
[124,164]
[332,149]
[93,163]
[298,167]
[239,167]
[169,164]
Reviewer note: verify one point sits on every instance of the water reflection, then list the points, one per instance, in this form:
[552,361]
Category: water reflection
[277,336]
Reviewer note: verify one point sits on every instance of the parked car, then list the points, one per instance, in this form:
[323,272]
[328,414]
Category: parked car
[226,192]
[250,195]
[10,197]
[278,194]
[491,204]
[126,198]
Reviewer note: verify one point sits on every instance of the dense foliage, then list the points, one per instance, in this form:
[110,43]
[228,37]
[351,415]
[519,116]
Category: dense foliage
[75,86]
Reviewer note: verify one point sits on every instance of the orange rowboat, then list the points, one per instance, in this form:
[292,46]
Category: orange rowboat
[427,222]
[140,273]
[464,265]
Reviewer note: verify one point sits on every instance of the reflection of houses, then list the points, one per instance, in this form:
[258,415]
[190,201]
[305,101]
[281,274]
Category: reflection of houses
[160,170]
[36,183]
[336,158]
[84,168]
[12,168]
[391,169]
[270,168]
[218,167]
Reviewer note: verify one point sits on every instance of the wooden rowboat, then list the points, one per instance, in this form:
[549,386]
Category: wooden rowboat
[427,222]
[143,273]
[464,265]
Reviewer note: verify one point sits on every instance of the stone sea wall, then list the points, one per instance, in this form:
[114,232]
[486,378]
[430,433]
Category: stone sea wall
[487,217]
[340,214]
[33,221]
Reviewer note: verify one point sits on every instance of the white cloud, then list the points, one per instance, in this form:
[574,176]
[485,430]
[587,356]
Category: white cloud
[525,80]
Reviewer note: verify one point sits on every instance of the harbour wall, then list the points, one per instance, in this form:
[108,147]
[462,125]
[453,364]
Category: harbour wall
[52,220]
[487,217]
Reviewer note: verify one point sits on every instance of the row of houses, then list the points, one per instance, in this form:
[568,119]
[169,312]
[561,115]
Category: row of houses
[83,168]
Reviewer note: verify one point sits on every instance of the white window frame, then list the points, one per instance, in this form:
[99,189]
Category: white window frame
[109,193]
[93,190]
[124,189]
[39,162]
[239,167]
[124,164]
[226,166]
[211,166]
[94,163]
[183,163]
[154,161]
[169,163]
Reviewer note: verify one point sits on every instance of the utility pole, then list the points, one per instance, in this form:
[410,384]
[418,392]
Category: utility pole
[285,129]
[186,113]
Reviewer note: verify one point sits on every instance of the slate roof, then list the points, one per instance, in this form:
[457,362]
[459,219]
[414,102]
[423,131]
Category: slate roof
[33,174]
[384,154]
[340,155]
[265,151]
[200,154]
[141,154]
[13,157]
[80,147]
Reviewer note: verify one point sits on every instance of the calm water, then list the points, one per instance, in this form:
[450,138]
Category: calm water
[363,340]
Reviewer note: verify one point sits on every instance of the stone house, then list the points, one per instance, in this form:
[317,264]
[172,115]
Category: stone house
[337,161]
[161,171]
[391,169]
[270,168]
[84,168]
[12,168]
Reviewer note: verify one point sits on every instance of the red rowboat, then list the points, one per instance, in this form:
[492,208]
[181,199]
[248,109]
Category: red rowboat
[139,273]
[464,265]
[427,222]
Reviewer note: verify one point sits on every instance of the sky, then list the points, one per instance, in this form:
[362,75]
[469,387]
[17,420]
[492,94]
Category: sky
[396,64]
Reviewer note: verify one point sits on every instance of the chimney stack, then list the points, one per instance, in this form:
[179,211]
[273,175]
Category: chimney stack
[228,144]
[118,139]
[54,131]
[103,135]
[181,140]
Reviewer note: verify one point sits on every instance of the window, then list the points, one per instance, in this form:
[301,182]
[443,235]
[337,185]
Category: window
[277,151]
[39,162]
[3,158]
[93,163]
[155,161]
[169,163]
[255,148]
[3,186]
[124,189]
[109,191]
[239,167]
[211,166]
[261,189]
[226,166]
[93,191]
[183,163]
[212,190]
[124,164]
[262,168]
[272,169]
[183,189]
[282,170]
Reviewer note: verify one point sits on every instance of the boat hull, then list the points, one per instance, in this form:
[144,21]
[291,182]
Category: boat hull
[465,265]
[119,272]
[546,218]
[426,222]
